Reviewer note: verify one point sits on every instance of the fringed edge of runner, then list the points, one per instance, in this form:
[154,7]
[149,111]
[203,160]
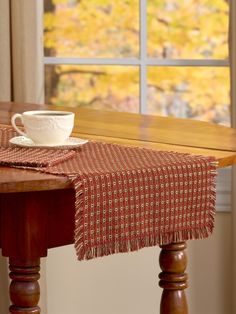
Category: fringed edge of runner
[213,169]
[79,218]
[124,246]
[139,243]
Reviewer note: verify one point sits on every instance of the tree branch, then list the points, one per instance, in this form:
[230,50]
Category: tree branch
[82,72]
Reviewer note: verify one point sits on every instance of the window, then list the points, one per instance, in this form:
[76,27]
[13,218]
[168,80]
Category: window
[165,57]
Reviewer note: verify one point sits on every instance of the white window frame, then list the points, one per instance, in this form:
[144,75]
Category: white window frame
[224,178]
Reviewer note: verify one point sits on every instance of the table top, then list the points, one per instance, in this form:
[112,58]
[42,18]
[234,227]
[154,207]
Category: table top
[161,133]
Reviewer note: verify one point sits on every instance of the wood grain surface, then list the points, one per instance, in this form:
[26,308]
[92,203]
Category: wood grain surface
[160,133]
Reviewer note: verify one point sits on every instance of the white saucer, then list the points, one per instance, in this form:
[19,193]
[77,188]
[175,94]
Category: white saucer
[27,142]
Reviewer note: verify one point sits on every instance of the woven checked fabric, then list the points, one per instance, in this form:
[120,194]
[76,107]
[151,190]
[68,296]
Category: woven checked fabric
[32,157]
[28,157]
[6,134]
[128,198]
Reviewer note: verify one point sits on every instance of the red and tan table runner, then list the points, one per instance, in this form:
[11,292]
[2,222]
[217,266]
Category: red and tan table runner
[28,157]
[128,198]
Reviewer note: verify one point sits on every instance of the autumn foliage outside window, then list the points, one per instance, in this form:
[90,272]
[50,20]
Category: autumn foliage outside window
[176,30]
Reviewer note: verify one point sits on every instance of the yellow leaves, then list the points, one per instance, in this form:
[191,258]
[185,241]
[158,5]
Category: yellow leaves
[199,91]
[95,28]
[193,28]
[99,86]
[104,28]
[177,29]
[59,2]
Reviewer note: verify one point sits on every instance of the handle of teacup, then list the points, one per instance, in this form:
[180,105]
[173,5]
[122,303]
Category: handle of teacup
[13,119]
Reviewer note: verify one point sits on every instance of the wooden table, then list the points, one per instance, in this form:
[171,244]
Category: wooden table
[37,210]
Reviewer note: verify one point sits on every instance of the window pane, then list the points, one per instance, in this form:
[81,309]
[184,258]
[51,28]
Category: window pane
[98,87]
[190,92]
[188,29]
[94,28]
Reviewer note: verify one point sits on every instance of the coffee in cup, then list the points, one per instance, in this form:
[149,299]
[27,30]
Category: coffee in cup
[45,127]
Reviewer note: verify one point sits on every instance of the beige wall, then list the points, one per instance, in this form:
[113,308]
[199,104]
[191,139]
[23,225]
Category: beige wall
[4,282]
[128,283]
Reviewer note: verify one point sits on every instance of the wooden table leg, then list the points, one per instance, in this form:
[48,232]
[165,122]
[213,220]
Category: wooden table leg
[173,279]
[24,287]
[23,235]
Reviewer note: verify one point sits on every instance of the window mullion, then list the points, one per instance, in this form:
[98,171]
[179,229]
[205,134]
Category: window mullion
[92,61]
[142,61]
[143,55]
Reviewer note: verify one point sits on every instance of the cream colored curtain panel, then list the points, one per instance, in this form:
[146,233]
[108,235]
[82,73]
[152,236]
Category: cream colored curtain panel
[21,51]
[232,44]
[5,55]
[233,119]
[21,80]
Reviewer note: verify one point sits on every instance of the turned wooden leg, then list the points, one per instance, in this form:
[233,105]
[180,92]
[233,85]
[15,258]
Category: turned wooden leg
[173,279]
[24,287]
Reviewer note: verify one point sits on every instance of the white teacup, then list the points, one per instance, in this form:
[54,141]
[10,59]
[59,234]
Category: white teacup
[45,127]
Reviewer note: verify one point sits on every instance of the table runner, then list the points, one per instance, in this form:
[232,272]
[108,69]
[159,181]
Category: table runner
[28,157]
[128,198]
